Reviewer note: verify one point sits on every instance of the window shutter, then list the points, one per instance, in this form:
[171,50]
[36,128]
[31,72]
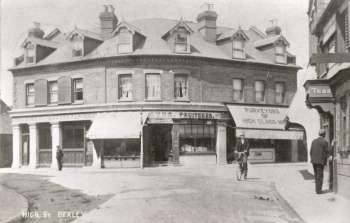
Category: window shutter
[64,90]
[40,92]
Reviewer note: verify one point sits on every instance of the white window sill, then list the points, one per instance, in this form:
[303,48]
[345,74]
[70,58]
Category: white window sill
[153,99]
[182,100]
[125,100]
[78,102]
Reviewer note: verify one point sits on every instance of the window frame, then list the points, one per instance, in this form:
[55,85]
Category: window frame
[120,76]
[29,94]
[121,43]
[283,93]
[30,47]
[74,90]
[186,76]
[177,42]
[281,54]
[50,93]
[241,90]
[156,98]
[239,50]
[264,91]
[77,40]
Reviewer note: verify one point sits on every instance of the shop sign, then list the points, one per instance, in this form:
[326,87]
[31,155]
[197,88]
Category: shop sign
[319,91]
[185,115]
[258,117]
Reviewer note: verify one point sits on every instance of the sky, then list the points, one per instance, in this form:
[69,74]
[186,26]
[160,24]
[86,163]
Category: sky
[18,16]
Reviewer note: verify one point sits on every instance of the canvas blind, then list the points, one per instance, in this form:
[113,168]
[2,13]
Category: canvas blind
[64,90]
[40,92]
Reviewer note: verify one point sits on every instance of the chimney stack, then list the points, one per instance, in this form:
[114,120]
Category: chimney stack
[207,23]
[108,21]
[36,31]
[273,30]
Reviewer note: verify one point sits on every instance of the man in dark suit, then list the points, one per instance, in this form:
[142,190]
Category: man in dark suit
[59,157]
[242,148]
[319,154]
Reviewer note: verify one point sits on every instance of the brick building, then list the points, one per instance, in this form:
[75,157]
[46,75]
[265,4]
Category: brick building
[153,91]
[329,93]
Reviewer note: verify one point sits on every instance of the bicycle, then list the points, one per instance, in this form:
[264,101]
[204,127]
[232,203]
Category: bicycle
[242,158]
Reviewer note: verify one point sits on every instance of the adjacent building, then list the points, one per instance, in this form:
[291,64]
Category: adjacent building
[330,92]
[5,135]
[153,92]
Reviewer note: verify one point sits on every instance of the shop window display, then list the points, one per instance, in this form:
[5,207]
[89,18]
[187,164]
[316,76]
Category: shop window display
[197,136]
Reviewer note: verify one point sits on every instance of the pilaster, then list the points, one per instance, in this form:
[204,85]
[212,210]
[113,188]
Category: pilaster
[221,144]
[16,143]
[55,139]
[33,145]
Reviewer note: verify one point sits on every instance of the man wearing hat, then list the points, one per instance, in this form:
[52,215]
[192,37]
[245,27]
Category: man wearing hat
[59,157]
[319,153]
[242,148]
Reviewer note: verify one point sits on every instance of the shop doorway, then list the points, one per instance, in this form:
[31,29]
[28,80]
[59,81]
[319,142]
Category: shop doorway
[25,145]
[160,143]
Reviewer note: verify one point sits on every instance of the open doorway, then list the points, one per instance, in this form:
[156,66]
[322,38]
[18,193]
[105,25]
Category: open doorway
[160,142]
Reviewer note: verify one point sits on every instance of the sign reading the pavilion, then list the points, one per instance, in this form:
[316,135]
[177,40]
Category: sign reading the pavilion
[257,117]
[186,115]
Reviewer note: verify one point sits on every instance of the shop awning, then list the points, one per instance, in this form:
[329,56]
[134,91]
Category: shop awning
[271,134]
[258,117]
[117,125]
[262,122]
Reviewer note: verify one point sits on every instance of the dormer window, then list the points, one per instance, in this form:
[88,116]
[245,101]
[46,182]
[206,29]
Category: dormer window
[281,54]
[238,49]
[238,43]
[124,44]
[77,42]
[181,41]
[30,53]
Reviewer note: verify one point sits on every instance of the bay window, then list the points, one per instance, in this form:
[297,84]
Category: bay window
[153,86]
[237,89]
[125,87]
[259,88]
[180,86]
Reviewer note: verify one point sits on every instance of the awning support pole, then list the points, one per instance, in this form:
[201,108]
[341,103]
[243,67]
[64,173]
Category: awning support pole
[141,140]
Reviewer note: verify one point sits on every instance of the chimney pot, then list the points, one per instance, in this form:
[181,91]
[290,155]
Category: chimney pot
[108,21]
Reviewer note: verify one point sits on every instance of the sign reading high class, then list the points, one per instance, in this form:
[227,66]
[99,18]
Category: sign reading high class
[258,117]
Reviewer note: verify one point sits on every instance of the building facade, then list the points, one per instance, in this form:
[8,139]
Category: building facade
[329,93]
[153,91]
[5,135]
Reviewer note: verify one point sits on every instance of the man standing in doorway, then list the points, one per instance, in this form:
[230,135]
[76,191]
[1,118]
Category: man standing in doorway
[318,153]
[59,157]
[242,149]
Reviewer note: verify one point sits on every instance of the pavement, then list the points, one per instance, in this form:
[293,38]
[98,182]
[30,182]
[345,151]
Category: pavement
[161,189]
[12,205]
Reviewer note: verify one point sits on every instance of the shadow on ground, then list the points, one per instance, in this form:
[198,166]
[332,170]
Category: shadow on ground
[306,175]
[50,202]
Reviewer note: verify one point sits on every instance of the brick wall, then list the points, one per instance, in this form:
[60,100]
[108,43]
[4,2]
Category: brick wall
[208,81]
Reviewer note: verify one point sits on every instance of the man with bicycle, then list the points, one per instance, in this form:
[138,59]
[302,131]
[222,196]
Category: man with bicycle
[242,151]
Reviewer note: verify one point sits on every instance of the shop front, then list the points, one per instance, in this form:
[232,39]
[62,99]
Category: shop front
[266,129]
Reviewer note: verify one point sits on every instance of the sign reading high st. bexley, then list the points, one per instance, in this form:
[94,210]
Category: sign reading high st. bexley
[256,117]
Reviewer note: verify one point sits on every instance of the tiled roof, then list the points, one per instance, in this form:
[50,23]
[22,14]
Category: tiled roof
[270,40]
[87,33]
[152,30]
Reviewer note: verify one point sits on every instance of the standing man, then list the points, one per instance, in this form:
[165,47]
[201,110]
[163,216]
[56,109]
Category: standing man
[242,148]
[59,157]
[318,153]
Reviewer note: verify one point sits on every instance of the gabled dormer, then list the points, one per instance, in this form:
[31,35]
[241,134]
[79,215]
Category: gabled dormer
[83,42]
[35,49]
[239,39]
[178,37]
[128,37]
[281,45]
